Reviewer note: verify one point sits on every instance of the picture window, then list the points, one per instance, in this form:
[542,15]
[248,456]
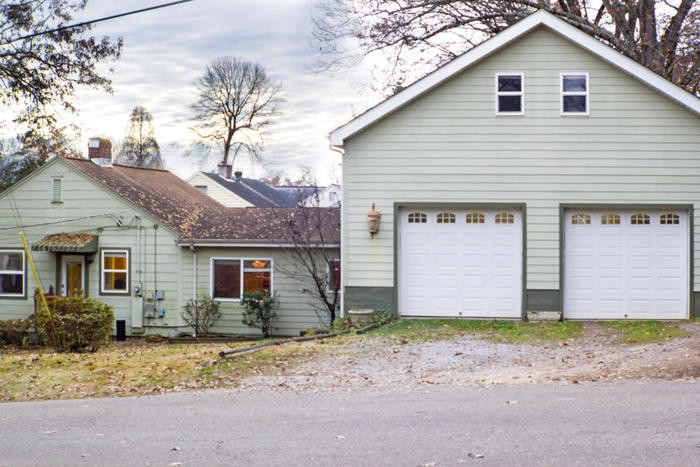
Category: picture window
[230,277]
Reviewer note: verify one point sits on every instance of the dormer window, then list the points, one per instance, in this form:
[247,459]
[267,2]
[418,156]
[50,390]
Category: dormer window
[202,188]
[509,93]
[574,93]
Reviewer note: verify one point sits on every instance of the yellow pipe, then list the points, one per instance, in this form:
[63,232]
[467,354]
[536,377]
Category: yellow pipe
[36,278]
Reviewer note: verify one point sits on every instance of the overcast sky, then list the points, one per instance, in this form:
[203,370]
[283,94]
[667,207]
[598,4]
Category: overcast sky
[166,50]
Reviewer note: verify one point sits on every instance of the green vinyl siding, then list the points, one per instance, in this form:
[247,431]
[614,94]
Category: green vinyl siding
[88,207]
[298,311]
[636,146]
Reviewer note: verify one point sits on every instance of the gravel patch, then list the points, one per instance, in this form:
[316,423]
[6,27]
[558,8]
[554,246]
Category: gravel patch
[382,362]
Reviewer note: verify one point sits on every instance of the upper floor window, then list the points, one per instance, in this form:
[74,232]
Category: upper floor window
[56,190]
[445,218]
[574,93]
[417,218]
[509,93]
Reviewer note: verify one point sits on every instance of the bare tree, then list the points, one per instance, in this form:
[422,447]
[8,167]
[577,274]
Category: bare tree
[140,148]
[41,72]
[661,35]
[236,102]
[312,247]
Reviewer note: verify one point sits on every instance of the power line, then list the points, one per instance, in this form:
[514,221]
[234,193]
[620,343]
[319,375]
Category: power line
[111,215]
[99,20]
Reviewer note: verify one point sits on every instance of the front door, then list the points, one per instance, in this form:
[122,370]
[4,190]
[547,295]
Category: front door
[73,275]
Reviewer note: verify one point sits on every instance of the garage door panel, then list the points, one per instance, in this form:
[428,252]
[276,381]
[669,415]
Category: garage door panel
[630,270]
[475,267]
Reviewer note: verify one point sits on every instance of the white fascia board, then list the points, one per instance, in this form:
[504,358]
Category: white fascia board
[231,244]
[541,18]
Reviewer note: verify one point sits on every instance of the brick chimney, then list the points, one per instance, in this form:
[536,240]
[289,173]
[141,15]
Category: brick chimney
[225,171]
[100,151]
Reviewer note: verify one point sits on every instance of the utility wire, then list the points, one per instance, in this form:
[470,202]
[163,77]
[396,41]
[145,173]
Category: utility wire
[110,215]
[99,20]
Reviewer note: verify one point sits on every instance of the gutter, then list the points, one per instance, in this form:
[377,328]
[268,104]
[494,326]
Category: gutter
[244,243]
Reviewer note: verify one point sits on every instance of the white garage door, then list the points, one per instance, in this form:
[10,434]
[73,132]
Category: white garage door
[460,262]
[626,265]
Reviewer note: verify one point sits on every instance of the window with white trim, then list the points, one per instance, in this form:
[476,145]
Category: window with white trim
[610,219]
[115,271]
[12,271]
[231,277]
[669,219]
[56,190]
[475,218]
[505,218]
[417,218]
[333,275]
[580,219]
[640,219]
[446,218]
[574,93]
[509,93]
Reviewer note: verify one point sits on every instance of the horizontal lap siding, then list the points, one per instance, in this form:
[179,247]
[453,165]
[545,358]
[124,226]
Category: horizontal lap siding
[219,193]
[296,311]
[81,198]
[636,146]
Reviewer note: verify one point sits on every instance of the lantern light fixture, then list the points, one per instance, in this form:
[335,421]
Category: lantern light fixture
[373,218]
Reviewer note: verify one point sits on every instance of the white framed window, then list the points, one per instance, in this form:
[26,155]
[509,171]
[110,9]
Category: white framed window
[333,271]
[232,277]
[574,93]
[505,218]
[417,218]
[510,93]
[12,273]
[670,219]
[114,271]
[56,190]
[580,219]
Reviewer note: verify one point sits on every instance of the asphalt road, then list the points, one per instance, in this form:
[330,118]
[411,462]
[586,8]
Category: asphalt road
[622,423]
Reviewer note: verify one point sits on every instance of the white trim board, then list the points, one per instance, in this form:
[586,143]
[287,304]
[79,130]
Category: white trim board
[338,136]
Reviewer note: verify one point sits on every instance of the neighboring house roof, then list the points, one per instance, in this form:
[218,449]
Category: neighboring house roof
[296,194]
[194,215]
[257,193]
[539,19]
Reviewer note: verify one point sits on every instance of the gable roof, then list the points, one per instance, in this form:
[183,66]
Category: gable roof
[160,193]
[540,18]
[257,193]
[194,215]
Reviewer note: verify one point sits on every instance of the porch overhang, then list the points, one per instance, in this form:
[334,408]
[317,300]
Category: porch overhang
[67,243]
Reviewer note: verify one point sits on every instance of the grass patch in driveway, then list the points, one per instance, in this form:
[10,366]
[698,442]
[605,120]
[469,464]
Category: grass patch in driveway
[133,368]
[645,332]
[421,330]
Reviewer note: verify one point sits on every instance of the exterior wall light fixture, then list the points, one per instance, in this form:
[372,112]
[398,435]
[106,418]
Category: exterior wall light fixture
[373,218]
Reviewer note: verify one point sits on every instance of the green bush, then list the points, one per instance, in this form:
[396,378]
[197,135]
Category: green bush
[76,324]
[15,331]
[260,311]
[382,316]
[202,315]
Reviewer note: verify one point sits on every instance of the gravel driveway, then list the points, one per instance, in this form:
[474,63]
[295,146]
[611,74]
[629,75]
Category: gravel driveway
[384,361]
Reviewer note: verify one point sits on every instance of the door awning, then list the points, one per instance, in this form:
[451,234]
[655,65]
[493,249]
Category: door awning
[67,243]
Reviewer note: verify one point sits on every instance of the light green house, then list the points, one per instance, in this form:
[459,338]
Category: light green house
[146,242]
[540,171]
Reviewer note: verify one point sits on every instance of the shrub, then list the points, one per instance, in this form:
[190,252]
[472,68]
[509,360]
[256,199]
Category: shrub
[382,316]
[260,311]
[15,331]
[76,324]
[202,315]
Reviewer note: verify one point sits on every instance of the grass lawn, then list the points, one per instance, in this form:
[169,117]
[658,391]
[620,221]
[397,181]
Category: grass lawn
[131,368]
[420,330]
[644,332]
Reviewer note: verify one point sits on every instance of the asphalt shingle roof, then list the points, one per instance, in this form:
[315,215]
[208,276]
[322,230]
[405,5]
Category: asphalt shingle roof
[195,215]
[257,193]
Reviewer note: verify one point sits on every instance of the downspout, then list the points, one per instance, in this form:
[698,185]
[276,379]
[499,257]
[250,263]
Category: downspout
[155,259]
[194,282]
[342,230]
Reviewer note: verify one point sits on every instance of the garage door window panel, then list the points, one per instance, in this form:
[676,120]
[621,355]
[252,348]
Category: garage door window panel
[475,218]
[446,218]
[505,218]
[580,219]
[417,218]
[669,219]
[640,219]
[610,219]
